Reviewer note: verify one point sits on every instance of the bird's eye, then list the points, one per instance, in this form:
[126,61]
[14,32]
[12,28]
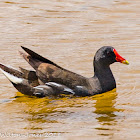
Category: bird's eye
[109,53]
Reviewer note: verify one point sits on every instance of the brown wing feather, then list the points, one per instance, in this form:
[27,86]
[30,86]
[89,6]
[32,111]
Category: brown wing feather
[38,57]
[48,71]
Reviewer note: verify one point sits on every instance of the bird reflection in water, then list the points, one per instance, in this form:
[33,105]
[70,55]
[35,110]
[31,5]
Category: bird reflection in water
[106,111]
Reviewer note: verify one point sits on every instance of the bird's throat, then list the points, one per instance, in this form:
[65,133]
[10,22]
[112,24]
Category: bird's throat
[105,77]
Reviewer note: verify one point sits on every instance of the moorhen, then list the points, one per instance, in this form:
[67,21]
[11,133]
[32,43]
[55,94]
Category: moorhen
[49,79]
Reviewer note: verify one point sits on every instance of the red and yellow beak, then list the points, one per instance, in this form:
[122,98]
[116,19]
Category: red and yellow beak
[120,59]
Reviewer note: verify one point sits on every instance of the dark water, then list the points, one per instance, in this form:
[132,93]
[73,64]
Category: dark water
[69,33]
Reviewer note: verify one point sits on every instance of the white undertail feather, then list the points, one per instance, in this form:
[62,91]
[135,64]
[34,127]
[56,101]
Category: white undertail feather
[12,78]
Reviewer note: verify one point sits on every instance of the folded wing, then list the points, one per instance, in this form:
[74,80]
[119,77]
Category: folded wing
[48,71]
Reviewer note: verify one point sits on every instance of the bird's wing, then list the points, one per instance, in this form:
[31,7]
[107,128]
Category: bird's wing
[48,71]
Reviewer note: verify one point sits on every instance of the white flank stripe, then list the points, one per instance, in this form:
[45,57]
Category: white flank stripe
[40,88]
[69,90]
[53,83]
[79,87]
[12,78]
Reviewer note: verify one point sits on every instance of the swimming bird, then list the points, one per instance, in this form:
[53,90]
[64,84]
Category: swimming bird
[49,79]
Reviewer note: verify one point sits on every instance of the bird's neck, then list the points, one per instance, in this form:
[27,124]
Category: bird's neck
[105,77]
[100,69]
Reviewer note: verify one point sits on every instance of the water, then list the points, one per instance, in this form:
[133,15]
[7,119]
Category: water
[69,33]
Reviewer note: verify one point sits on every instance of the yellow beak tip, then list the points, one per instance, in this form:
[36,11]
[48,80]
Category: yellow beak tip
[125,62]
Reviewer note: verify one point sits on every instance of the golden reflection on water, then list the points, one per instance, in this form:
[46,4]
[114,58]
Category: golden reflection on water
[106,112]
[39,109]
[105,107]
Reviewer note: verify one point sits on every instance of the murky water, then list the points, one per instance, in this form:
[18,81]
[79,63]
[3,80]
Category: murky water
[69,33]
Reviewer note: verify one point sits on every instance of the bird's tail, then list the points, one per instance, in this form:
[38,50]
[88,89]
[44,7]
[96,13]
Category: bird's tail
[12,74]
[23,81]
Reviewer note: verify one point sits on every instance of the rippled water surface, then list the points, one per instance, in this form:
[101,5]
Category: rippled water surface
[69,33]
